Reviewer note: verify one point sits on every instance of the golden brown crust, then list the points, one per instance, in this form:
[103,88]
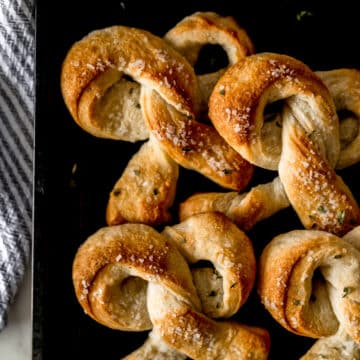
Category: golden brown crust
[146,189]
[303,303]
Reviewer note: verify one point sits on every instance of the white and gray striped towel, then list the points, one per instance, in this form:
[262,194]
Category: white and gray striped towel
[17,54]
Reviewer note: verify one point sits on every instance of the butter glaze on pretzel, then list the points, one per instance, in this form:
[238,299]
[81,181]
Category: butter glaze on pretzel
[323,306]
[130,277]
[310,135]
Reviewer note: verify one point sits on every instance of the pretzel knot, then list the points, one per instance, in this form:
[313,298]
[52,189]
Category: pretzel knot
[96,66]
[309,282]
[130,277]
[307,129]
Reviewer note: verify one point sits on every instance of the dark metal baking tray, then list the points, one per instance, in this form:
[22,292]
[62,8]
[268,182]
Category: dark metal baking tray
[71,206]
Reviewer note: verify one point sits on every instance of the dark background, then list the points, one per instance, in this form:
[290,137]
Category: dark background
[69,207]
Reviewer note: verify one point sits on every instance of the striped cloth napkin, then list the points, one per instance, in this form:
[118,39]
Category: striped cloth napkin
[17,44]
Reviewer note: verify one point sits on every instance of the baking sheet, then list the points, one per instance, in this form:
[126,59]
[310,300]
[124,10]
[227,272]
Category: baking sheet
[70,205]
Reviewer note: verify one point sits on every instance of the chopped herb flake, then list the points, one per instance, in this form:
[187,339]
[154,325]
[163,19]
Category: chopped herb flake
[137,172]
[303,13]
[217,274]
[322,209]
[233,285]
[338,256]
[74,168]
[347,290]
[186,149]
[117,192]
[341,217]
[227,171]
[138,106]
[296,302]
[222,92]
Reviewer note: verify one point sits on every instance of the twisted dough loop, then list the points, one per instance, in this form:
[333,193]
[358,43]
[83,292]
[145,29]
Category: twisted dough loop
[130,277]
[336,347]
[264,78]
[146,189]
[108,269]
[299,299]
[244,209]
[344,87]
[310,135]
[193,32]
[117,51]
[214,238]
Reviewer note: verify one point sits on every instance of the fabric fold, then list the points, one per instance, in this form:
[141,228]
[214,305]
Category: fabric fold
[17,94]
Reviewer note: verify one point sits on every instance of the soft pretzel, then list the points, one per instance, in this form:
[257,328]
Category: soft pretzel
[309,282]
[130,277]
[310,135]
[111,53]
[262,201]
